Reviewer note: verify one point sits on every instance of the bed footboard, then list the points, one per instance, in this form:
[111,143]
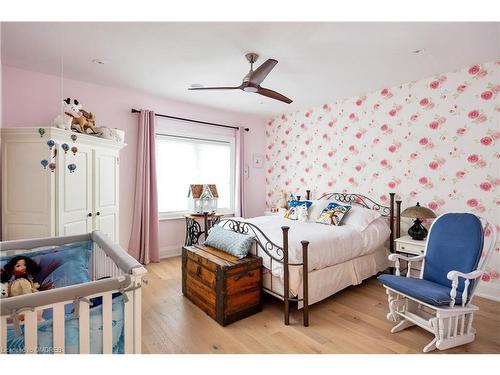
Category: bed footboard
[278,254]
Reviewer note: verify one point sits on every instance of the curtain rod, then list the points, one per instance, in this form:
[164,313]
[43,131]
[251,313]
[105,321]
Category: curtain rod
[190,120]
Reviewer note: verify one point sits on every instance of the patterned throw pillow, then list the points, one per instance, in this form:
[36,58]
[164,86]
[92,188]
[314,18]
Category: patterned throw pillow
[231,242]
[333,214]
[296,210]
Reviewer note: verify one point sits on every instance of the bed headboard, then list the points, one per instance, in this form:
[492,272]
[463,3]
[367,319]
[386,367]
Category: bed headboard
[393,211]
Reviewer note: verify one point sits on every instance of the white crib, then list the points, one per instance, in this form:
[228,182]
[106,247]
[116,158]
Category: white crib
[107,259]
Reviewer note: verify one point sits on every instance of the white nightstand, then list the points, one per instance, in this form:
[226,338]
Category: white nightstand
[407,246]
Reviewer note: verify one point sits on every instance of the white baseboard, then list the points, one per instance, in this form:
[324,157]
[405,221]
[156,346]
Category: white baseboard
[170,251]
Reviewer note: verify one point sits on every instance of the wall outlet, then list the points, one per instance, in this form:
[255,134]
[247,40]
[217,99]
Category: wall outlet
[246,171]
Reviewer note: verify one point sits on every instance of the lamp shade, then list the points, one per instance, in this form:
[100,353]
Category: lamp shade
[418,212]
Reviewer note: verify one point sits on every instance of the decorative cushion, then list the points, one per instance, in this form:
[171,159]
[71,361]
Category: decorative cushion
[420,289]
[360,217]
[298,210]
[231,242]
[333,214]
[317,208]
[455,243]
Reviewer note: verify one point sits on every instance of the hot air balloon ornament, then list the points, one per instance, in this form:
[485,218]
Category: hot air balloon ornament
[71,167]
[74,150]
[73,137]
[52,167]
[44,163]
[65,147]
[51,144]
[41,131]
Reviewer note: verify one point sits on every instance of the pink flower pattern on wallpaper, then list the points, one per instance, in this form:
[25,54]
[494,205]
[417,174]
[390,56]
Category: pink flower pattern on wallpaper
[434,141]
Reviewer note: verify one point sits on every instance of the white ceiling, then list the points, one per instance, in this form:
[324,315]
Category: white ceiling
[318,62]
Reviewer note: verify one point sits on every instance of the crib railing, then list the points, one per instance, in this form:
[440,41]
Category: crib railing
[119,272]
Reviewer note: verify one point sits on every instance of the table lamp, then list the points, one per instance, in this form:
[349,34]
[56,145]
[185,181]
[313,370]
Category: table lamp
[417,231]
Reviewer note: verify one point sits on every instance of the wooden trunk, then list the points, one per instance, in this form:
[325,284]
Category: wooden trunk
[225,287]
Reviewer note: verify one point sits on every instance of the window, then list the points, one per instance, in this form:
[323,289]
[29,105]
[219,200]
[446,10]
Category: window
[183,160]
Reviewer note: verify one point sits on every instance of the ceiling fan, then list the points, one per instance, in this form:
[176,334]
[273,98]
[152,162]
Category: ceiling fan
[253,79]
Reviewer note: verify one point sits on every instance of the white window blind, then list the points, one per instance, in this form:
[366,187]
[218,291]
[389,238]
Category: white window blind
[183,160]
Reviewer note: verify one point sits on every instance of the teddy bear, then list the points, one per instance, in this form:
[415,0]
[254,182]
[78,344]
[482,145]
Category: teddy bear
[71,110]
[282,202]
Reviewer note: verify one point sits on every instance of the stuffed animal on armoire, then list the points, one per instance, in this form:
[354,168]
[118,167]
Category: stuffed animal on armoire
[70,111]
[85,121]
[21,272]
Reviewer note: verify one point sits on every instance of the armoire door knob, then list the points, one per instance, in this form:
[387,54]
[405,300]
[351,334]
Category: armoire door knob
[89,214]
[98,213]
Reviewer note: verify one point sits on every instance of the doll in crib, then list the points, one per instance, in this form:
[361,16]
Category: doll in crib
[22,271]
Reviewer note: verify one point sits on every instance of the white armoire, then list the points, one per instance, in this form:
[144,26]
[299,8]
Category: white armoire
[38,202]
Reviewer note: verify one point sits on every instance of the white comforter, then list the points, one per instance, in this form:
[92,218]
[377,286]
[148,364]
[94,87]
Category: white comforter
[328,245]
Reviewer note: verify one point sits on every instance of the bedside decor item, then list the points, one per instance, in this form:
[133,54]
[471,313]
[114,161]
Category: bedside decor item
[225,287]
[417,231]
[333,214]
[282,202]
[202,198]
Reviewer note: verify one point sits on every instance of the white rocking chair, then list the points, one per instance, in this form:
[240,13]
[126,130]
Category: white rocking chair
[440,299]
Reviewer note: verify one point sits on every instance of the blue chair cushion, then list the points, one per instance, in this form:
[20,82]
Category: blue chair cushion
[420,289]
[455,243]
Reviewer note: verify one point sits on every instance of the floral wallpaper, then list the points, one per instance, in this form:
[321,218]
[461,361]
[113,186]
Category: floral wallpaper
[435,141]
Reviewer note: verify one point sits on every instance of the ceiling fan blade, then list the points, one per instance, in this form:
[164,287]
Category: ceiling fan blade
[273,94]
[262,71]
[215,88]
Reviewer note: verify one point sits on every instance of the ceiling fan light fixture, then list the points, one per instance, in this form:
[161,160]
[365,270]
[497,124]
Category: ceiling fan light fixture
[250,89]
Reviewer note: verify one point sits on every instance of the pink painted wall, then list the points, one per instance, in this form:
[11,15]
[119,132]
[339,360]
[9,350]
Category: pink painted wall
[33,99]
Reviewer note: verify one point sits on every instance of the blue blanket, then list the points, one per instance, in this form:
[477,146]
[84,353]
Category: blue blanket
[15,344]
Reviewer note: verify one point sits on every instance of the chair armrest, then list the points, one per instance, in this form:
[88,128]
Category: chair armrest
[393,257]
[396,257]
[452,275]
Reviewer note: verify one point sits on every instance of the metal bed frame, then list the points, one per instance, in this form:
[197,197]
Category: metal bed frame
[279,254]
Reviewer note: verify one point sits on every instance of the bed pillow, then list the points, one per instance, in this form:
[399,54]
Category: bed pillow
[317,208]
[360,217]
[333,214]
[231,242]
[296,210]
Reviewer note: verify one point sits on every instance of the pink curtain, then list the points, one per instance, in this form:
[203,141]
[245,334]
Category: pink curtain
[240,173]
[144,244]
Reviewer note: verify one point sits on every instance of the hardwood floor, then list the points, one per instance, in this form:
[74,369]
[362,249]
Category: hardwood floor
[351,321]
